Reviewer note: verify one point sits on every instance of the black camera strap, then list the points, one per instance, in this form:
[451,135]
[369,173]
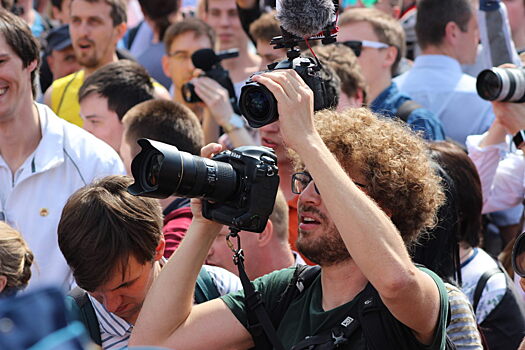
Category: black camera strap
[259,323]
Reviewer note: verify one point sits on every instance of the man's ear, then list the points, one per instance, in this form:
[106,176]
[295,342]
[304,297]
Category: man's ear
[166,66]
[121,30]
[32,66]
[451,32]
[3,282]
[50,60]
[159,251]
[391,55]
[265,237]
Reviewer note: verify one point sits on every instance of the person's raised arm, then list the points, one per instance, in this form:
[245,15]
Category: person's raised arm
[168,317]
[371,238]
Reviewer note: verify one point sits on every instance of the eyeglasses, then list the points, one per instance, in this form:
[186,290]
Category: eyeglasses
[367,3]
[179,55]
[357,45]
[301,180]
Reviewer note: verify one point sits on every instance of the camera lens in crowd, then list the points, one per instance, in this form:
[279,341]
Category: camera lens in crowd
[160,170]
[502,84]
[188,93]
[258,105]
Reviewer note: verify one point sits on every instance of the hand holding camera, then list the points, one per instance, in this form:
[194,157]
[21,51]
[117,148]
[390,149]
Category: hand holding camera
[215,97]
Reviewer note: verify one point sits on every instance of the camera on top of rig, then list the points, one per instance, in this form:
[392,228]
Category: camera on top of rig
[301,20]
[238,187]
[210,63]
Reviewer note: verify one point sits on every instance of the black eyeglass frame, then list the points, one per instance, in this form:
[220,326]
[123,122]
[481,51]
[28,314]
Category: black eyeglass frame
[310,179]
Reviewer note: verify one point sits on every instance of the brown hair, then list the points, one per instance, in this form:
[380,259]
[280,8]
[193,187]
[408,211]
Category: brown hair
[197,26]
[387,29]
[395,161]
[265,27]
[434,15]
[467,184]
[344,62]
[124,83]
[102,225]
[164,121]
[119,13]
[15,259]
[18,36]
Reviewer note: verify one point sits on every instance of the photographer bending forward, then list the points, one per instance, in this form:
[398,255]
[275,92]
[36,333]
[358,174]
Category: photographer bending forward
[373,180]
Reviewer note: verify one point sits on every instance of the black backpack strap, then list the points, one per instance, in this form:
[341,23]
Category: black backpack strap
[332,339]
[482,282]
[87,313]
[302,278]
[406,108]
[205,288]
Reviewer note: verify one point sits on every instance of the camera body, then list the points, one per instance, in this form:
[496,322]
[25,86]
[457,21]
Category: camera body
[217,73]
[238,187]
[258,181]
[259,106]
[210,63]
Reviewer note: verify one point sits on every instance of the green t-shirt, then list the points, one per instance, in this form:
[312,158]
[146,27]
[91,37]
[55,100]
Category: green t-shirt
[306,317]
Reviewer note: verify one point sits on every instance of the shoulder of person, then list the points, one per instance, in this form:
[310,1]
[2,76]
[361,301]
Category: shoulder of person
[92,156]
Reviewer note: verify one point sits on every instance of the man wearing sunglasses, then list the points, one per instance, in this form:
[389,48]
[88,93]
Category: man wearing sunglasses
[357,233]
[378,42]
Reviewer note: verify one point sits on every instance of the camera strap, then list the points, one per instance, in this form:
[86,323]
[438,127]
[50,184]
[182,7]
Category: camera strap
[259,323]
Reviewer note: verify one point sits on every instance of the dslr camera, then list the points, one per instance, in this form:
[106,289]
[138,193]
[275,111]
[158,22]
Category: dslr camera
[258,105]
[238,187]
[210,63]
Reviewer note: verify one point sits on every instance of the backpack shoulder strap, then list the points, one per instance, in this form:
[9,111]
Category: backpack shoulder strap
[205,288]
[406,108]
[482,282]
[87,313]
[302,278]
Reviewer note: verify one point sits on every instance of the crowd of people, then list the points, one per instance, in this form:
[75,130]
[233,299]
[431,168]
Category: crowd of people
[398,205]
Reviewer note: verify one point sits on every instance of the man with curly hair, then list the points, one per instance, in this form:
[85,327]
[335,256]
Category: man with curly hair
[367,189]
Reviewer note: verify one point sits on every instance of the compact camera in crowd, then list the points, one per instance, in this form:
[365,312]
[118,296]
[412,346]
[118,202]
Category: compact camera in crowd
[238,187]
[210,63]
[502,84]
[258,105]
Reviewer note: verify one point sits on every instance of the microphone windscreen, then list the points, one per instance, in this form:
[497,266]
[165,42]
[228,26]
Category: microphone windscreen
[204,59]
[305,17]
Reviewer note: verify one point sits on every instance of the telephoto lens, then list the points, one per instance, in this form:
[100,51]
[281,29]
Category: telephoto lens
[502,84]
[161,170]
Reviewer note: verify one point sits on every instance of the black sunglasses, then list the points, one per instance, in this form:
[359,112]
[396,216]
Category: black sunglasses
[357,45]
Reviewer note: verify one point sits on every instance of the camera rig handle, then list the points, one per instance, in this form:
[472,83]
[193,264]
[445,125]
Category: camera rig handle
[290,41]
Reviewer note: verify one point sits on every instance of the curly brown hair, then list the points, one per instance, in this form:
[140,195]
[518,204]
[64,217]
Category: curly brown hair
[393,159]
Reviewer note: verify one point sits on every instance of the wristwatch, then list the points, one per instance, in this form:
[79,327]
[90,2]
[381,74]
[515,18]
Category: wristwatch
[235,122]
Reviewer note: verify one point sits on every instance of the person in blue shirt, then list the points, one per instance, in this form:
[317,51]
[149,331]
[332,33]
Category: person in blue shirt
[378,41]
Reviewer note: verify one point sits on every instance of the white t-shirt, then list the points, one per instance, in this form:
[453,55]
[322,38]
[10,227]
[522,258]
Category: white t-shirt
[471,271]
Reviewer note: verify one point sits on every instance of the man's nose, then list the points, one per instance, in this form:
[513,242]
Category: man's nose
[112,301]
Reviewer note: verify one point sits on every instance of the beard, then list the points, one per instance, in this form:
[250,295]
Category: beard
[328,248]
